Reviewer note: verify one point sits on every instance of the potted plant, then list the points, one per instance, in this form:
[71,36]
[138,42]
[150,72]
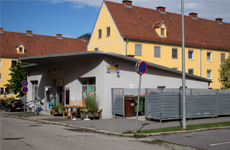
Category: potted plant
[91,110]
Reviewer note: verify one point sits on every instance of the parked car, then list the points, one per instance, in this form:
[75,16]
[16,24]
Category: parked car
[14,105]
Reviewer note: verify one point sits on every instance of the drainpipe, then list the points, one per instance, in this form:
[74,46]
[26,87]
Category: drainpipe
[201,61]
[126,45]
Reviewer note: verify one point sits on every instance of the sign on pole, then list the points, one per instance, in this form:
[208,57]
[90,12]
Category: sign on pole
[141,69]
[24,83]
[24,89]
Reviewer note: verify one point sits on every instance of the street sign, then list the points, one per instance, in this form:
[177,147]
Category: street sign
[141,67]
[24,83]
[24,89]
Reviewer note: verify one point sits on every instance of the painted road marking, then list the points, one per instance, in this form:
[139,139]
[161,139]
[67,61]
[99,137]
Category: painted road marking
[219,144]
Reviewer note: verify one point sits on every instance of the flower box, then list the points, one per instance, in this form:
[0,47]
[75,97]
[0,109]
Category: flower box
[90,115]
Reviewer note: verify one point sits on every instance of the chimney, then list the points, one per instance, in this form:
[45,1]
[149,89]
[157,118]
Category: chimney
[29,32]
[1,30]
[193,15]
[59,36]
[219,20]
[127,3]
[161,9]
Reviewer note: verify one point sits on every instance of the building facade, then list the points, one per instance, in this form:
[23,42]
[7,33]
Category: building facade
[15,45]
[70,78]
[154,35]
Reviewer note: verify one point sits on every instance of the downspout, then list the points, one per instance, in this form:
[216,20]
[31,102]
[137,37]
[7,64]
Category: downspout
[201,62]
[126,45]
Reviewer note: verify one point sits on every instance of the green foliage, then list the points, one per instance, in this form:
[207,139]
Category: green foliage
[18,75]
[224,73]
[4,101]
[91,104]
[87,36]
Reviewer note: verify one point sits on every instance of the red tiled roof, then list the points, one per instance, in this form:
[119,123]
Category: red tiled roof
[137,22]
[38,44]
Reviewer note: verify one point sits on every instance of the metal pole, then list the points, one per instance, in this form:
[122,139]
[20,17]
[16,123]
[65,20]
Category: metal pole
[138,99]
[24,98]
[183,67]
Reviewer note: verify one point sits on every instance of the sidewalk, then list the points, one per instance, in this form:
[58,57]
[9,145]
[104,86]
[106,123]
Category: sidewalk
[115,125]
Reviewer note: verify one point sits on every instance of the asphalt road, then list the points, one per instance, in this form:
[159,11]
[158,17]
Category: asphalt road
[17,134]
[210,140]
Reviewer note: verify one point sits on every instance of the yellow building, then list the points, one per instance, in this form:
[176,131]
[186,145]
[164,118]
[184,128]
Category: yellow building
[15,45]
[154,35]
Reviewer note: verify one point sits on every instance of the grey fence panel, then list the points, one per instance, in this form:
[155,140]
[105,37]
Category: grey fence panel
[118,102]
[223,102]
[166,104]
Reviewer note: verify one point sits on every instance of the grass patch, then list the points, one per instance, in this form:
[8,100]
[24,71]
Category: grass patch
[178,128]
[2,109]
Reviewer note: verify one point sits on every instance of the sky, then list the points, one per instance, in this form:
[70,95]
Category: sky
[73,18]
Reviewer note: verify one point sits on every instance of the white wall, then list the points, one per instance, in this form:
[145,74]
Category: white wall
[97,67]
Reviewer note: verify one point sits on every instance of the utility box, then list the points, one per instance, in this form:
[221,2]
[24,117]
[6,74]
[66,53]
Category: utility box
[129,107]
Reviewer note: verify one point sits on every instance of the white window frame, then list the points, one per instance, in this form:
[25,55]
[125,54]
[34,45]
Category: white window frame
[210,53]
[192,54]
[209,74]
[138,49]
[157,52]
[96,49]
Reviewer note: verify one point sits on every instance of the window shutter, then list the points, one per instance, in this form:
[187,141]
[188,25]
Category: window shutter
[157,51]
[138,49]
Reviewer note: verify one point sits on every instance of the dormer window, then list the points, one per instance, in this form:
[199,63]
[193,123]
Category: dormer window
[20,48]
[161,29]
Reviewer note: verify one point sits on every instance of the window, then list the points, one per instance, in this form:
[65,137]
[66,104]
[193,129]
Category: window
[209,74]
[88,87]
[34,90]
[0,62]
[209,56]
[174,68]
[0,76]
[14,62]
[99,33]
[162,31]
[20,50]
[157,51]
[108,31]
[174,53]
[138,49]
[190,54]
[190,71]
[222,57]
[1,90]
[96,49]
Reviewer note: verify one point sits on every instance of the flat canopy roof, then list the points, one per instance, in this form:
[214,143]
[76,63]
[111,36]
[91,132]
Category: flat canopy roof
[43,60]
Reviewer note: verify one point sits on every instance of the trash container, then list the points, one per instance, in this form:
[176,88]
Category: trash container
[129,106]
[141,105]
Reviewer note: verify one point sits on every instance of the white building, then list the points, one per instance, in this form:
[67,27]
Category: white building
[71,76]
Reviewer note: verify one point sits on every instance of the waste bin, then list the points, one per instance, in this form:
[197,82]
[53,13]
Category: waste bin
[141,105]
[129,106]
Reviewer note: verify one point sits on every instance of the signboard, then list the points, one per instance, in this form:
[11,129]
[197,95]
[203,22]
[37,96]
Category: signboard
[24,89]
[141,67]
[24,83]
[119,92]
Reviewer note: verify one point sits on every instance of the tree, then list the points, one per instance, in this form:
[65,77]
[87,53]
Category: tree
[224,73]
[17,74]
[87,36]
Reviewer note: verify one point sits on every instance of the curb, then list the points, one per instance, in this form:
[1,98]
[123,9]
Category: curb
[114,133]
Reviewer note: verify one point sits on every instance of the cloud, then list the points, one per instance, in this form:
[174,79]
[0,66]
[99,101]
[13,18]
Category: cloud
[208,9]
